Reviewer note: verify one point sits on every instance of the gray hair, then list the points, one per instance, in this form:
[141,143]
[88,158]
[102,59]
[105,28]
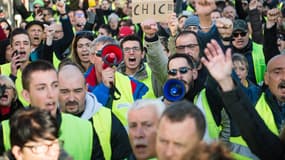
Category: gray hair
[157,104]
[9,82]
[113,16]
[104,40]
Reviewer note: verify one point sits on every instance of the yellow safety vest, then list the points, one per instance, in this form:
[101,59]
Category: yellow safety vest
[266,114]
[120,107]
[148,82]
[212,127]
[258,62]
[76,133]
[103,130]
[55,61]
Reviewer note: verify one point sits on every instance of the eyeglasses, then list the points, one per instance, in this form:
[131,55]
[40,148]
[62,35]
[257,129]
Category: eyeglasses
[134,49]
[242,34]
[79,15]
[44,148]
[182,70]
[189,46]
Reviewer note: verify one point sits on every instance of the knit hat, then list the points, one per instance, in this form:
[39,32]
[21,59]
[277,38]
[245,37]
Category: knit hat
[39,2]
[191,21]
[125,31]
[240,25]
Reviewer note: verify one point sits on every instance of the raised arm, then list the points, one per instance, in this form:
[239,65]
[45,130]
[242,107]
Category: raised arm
[259,138]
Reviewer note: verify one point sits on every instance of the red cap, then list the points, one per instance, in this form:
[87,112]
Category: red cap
[125,31]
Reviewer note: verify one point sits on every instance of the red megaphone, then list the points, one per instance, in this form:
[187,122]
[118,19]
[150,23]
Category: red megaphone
[112,55]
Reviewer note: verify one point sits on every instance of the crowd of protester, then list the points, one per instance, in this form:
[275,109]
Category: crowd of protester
[79,80]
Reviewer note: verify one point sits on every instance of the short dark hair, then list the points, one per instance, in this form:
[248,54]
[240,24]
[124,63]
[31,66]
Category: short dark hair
[40,65]
[106,27]
[18,31]
[188,58]
[39,23]
[28,124]
[180,110]
[132,38]
[187,32]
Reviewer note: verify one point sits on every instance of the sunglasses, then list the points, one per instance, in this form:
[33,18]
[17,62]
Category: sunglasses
[98,53]
[281,37]
[242,34]
[182,70]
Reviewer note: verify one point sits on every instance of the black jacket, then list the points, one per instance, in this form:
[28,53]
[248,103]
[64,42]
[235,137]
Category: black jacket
[259,138]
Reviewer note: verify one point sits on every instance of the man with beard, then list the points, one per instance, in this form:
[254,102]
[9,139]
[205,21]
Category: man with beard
[143,118]
[74,99]
[259,125]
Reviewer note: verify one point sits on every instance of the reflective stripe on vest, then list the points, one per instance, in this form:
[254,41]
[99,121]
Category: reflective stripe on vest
[266,114]
[203,105]
[105,19]
[103,130]
[6,70]
[239,157]
[240,149]
[120,107]
[258,62]
[148,82]
[6,134]
[76,133]
[239,145]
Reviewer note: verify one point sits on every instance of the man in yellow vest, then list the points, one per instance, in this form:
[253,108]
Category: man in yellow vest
[21,46]
[143,118]
[111,135]
[113,89]
[180,130]
[253,52]
[261,126]
[135,67]
[40,85]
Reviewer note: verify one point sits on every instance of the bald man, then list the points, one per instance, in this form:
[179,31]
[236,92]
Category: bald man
[259,125]
[73,96]
[110,136]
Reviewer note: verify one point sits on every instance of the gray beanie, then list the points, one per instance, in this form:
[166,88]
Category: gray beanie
[192,21]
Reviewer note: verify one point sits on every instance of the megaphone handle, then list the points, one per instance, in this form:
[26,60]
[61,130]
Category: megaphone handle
[116,91]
